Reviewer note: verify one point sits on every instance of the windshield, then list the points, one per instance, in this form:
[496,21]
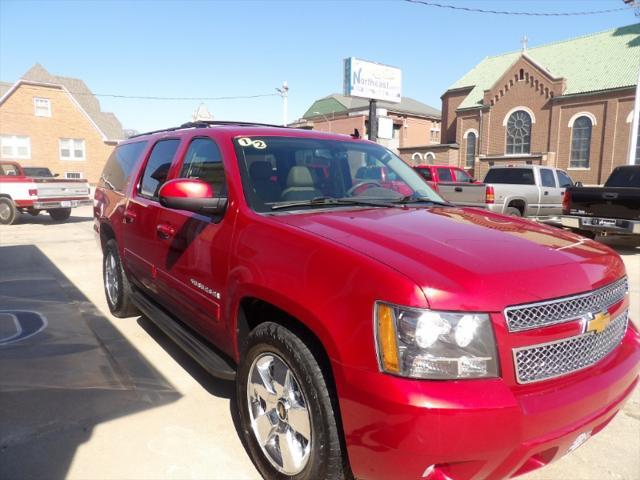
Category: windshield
[279,172]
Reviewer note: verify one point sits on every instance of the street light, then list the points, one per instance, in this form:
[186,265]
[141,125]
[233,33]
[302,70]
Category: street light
[325,118]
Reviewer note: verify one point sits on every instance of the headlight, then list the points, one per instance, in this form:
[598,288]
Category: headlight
[420,343]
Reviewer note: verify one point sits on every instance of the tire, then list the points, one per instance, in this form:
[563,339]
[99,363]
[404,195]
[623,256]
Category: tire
[513,211]
[119,295]
[60,214]
[275,349]
[8,212]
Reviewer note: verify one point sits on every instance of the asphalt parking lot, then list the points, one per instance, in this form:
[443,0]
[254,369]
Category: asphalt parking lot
[89,396]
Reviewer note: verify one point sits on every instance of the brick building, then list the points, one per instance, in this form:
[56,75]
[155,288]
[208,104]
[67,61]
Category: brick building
[56,122]
[566,104]
[413,122]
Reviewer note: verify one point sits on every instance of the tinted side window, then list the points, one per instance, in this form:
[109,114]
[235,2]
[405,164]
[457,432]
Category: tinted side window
[514,176]
[564,179]
[425,173]
[444,174]
[547,178]
[120,165]
[157,169]
[203,161]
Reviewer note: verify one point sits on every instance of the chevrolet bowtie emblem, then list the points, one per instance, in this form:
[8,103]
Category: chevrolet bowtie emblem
[596,322]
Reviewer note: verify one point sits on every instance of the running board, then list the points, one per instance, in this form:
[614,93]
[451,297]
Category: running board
[191,343]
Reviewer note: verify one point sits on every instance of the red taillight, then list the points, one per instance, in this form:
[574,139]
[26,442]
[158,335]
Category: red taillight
[489,194]
[33,192]
[566,200]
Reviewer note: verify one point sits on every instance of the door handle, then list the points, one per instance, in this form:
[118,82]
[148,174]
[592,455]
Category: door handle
[129,216]
[546,193]
[165,231]
[458,189]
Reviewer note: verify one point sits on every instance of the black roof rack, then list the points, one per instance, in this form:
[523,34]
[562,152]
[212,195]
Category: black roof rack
[208,123]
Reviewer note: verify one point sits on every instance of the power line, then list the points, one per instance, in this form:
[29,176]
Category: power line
[147,97]
[528,14]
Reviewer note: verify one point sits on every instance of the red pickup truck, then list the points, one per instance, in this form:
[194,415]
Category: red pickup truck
[21,192]
[371,333]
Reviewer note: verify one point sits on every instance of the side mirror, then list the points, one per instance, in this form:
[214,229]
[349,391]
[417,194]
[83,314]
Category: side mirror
[191,195]
[578,184]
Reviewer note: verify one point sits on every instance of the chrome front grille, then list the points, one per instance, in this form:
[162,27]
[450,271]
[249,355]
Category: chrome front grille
[553,359]
[551,312]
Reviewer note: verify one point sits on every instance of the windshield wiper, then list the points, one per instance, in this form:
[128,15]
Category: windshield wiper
[414,199]
[325,201]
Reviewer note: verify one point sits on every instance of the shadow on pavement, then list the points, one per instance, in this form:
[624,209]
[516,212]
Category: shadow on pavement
[64,368]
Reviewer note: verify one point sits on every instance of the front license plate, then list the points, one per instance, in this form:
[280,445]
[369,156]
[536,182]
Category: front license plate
[580,439]
[65,204]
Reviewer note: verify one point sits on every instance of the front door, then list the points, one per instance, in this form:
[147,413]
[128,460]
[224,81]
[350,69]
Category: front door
[550,193]
[192,270]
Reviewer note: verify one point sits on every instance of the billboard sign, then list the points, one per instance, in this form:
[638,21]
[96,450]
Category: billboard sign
[372,80]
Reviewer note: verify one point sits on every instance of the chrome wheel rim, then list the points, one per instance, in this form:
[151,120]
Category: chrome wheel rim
[5,212]
[111,278]
[280,418]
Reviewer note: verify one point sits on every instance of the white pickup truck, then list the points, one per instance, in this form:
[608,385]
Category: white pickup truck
[20,192]
[526,190]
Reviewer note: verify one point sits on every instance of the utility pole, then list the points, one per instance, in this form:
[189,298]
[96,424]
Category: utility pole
[633,144]
[373,120]
[284,94]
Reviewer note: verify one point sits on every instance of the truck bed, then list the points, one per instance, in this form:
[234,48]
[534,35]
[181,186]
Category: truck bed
[608,202]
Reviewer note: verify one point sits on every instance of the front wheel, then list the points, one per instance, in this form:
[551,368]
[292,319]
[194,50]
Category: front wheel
[286,412]
[60,214]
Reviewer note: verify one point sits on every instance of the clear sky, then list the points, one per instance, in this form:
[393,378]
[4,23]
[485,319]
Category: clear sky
[215,48]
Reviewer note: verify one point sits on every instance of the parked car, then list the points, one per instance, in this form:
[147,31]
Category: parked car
[20,192]
[614,208]
[526,190]
[454,184]
[369,333]
[38,172]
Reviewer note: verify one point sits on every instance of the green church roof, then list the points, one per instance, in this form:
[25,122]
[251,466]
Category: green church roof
[599,61]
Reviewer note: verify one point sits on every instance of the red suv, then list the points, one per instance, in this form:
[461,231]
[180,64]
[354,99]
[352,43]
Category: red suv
[373,329]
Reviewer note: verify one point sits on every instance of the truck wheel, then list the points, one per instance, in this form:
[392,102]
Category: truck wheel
[60,214]
[513,211]
[8,212]
[286,412]
[116,285]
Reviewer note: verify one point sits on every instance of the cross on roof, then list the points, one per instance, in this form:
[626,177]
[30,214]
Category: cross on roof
[524,42]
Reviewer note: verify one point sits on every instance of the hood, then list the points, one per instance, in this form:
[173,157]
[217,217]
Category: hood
[469,259]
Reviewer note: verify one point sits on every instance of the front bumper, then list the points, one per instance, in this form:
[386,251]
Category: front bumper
[477,429]
[600,224]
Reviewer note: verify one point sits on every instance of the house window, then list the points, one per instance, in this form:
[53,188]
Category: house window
[72,149]
[42,107]
[519,133]
[471,150]
[580,143]
[73,175]
[434,135]
[15,146]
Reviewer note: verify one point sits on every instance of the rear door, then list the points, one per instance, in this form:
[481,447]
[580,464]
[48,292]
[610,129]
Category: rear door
[142,247]
[192,268]
[550,193]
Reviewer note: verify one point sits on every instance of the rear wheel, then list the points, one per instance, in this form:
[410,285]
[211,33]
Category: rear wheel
[286,411]
[8,212]
[117,288]
[513,211]
[60,214]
